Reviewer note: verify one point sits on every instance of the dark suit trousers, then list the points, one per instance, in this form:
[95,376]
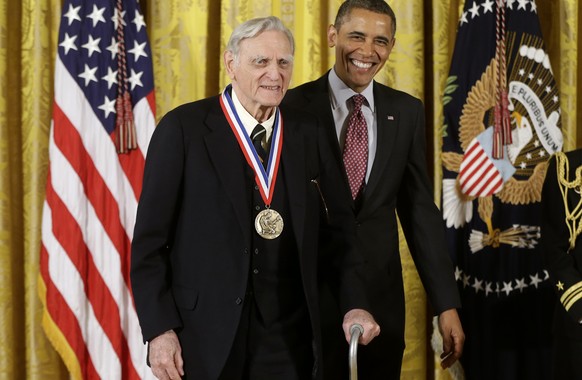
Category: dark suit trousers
[280,351]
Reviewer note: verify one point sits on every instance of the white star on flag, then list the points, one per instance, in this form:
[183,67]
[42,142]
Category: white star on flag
[97,15]
[68,43]
[92,45]
[138,50]
[73,14]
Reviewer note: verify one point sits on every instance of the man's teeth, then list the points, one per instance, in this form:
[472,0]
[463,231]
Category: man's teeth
[361,65]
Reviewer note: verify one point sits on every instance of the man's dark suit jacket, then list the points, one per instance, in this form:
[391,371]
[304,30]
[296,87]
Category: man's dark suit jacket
[398,182]
[193,233]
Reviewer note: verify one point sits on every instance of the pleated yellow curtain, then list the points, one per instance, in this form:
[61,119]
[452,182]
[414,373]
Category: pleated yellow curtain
[28,40]
[187,40]
[562,33]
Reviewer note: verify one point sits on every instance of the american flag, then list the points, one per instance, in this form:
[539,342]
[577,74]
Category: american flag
[92,189]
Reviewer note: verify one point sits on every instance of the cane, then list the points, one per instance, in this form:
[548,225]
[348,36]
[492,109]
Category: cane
[356,330]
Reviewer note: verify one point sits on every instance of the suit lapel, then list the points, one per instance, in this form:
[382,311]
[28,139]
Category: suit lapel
[231,167]
[293,161]
[387,119]
[319,104]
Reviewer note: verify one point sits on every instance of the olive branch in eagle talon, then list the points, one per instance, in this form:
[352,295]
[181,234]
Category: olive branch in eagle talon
[450,87]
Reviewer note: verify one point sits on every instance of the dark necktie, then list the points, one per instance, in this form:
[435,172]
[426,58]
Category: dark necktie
[355,153]
[258,136]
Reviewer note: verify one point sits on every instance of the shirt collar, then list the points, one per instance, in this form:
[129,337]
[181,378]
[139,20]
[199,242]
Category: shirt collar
[248,121]
[340,92]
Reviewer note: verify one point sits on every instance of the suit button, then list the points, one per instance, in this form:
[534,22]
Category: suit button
[256,251]
[256,187]
[246,251]
[238,301]
[255,271]
[257,208]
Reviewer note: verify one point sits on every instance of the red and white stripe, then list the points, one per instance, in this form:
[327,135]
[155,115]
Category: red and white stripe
[478,176]
[87,226]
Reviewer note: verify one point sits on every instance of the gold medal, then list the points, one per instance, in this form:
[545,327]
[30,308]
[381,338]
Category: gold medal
[269,224]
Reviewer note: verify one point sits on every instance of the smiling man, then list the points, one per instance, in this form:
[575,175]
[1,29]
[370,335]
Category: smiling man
[378,138]
[236,193]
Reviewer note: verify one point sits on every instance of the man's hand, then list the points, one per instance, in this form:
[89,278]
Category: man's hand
[453,337]
[362,317]
[165,355]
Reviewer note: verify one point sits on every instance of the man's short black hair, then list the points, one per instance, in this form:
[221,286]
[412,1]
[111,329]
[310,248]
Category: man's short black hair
[377,6]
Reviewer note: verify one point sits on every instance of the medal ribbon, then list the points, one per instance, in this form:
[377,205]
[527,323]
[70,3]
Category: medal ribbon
[264,179]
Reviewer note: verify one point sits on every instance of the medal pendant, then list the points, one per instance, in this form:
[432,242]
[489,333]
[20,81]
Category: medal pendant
[269,224]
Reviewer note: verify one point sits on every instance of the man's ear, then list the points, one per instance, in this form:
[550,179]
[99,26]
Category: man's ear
[331,36]
[229,63]
[392,43]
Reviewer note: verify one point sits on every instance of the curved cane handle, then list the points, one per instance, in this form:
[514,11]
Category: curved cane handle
[356,331]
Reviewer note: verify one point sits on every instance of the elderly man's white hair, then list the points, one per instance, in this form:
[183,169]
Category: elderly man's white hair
[254,27]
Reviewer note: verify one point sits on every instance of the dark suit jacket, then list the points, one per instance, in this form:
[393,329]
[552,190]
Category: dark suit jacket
[565,269]
[398,183]
[193,233]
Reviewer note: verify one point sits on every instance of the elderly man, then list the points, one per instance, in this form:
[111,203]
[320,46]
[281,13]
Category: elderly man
[236,195]
[378,137]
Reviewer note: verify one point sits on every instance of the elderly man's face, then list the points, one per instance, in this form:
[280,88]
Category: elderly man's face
[261,75]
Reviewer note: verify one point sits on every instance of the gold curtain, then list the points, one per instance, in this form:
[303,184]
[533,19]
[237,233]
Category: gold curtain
[187,40]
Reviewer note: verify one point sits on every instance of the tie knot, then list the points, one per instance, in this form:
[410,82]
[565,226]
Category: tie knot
[258,134]
[358,101]
[258,137]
